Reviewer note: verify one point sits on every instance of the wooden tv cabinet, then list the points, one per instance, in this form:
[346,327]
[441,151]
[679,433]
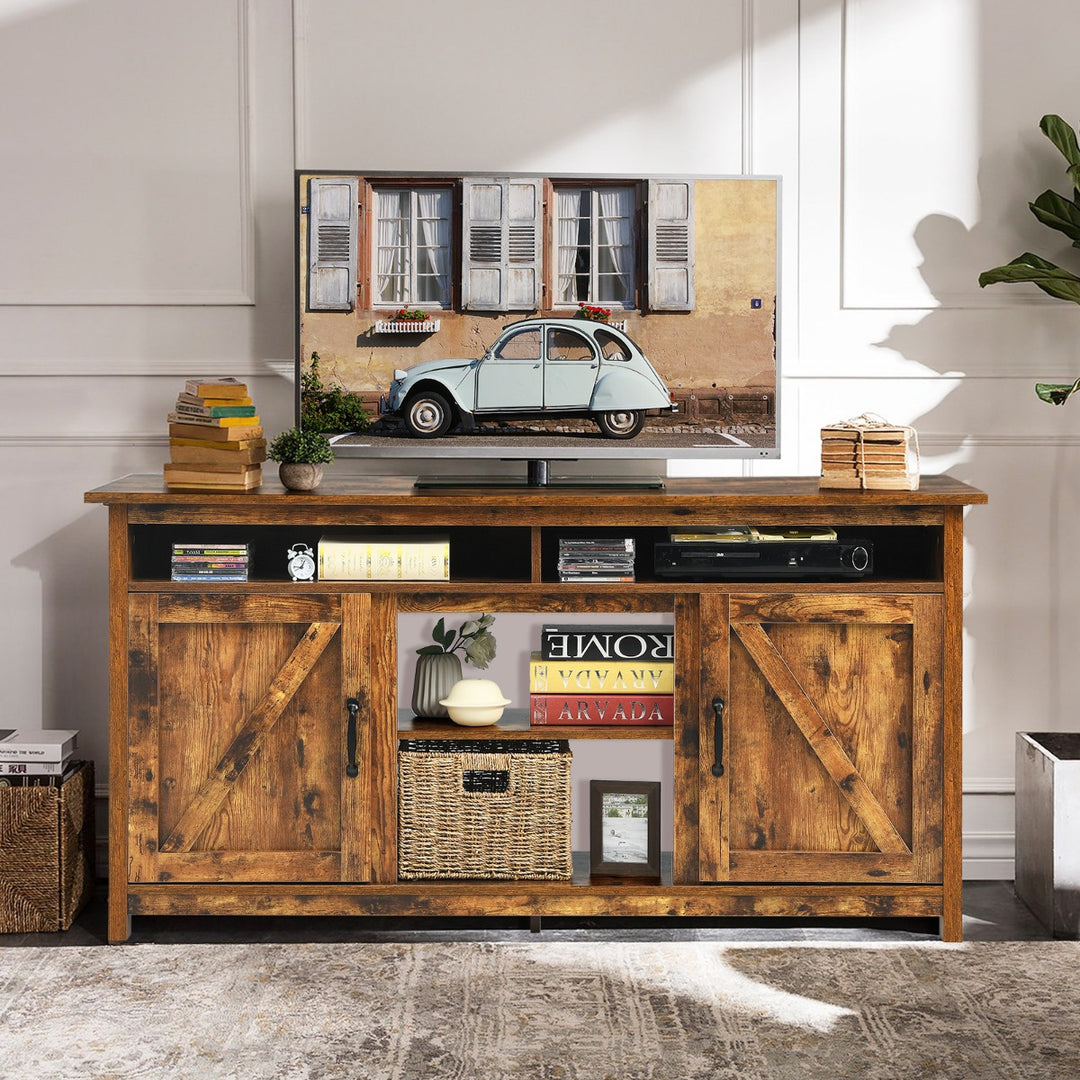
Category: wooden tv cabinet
[231,792]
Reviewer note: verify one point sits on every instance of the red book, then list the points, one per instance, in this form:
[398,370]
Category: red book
[609,709]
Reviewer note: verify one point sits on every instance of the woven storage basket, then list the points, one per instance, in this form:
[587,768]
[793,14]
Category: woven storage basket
[484,808]
[46,853]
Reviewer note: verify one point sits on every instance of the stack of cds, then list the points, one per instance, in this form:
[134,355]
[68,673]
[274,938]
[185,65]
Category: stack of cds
[601,559]
[210,562]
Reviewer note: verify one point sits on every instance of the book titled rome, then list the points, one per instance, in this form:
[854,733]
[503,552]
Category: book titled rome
[611,643]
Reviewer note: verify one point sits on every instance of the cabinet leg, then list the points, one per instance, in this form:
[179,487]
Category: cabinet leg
[534,924]
[119,919]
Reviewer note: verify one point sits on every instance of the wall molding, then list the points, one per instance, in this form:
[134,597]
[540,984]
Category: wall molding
[241,296]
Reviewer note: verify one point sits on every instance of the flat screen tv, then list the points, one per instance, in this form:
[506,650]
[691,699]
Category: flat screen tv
[538,318]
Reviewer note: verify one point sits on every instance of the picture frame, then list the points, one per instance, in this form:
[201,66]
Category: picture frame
[624,829]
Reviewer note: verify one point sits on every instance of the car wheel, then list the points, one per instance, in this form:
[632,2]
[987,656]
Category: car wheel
[621,423]
[427,415]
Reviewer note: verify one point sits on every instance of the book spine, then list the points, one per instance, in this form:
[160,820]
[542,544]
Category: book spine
[214,410]
[614,710]
[185,430]
[52,765]
[361,561]
[213,421]
[612,643]
[214,576]
[547,677]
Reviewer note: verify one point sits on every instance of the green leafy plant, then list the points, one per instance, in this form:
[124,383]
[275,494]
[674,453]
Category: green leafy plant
[1062,214]
[411,315]
[329,409]
[296,447]
[473,638]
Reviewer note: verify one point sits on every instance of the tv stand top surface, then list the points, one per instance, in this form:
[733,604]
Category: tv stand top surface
[701,493]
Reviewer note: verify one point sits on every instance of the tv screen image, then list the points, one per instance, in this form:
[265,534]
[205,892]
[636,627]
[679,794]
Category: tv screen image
[539,317]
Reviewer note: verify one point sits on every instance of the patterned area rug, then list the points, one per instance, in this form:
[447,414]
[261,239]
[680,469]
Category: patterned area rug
[540,1011]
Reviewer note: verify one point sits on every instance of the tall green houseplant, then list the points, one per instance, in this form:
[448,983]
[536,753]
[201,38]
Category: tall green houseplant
[1061,214]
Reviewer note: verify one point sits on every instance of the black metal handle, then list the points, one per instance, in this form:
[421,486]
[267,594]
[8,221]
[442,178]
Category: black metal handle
[718,736]
[352,769]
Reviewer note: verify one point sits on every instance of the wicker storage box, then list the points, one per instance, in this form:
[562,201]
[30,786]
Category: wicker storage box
[46,853]
[484,808]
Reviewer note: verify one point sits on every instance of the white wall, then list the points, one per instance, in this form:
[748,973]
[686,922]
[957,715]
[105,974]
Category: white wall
[148,237]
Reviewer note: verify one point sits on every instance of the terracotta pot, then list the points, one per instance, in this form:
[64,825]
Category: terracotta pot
[436,674]
[299,475]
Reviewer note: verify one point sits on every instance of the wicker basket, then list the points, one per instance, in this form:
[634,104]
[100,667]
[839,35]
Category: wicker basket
[484,808]
[46,853]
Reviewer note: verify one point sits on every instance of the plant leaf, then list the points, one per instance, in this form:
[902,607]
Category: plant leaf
[430,650]
[1057,393]
[1027,267]
[441,634]
[1059,213]
[1064,138]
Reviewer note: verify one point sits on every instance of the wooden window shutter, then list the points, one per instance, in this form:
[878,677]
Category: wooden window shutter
[501,253]
[332,204]
[671,245]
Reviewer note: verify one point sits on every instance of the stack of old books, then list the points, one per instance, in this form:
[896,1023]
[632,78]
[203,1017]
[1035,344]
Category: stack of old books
[607,675]
[215,441]
[35,758]
[869,452]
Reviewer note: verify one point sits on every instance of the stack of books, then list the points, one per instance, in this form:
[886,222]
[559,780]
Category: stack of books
[869,453]
[597,559]
[372,557]
[210,562]
[215,441]
[603,675]
[36,758]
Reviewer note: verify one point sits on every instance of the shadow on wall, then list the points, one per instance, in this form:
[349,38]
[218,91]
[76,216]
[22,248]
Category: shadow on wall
[1022,544]
[75,646]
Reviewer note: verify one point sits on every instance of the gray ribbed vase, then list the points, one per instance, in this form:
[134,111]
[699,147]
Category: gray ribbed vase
[436,673]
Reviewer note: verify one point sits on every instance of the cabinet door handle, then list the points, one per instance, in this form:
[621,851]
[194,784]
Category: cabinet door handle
[718,736]
[352,769]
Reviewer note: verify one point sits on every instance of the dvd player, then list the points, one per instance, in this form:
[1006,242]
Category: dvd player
[760,560]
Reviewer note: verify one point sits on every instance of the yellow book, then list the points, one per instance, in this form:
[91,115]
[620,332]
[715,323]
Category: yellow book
[385,558]
[212,421]
[600,676]
[216,434]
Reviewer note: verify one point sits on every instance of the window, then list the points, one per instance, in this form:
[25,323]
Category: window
[411,253]
[524,345]
[595,245]
[565,344]
[611,346]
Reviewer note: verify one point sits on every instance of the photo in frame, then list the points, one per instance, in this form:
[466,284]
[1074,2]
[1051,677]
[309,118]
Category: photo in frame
[624,828]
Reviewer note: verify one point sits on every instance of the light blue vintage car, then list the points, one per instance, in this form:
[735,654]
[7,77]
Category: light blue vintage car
[537,368]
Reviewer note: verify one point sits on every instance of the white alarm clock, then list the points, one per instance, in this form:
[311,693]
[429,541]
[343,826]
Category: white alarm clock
[301,563]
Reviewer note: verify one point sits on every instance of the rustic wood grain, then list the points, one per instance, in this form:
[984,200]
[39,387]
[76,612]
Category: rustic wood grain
[356,824]
[928,734]
[504,898]
[246,745]
[713,679]
[821,739]
[873,674]
[382,759]
[119,928]
[686,797]
[952,725]
[141,768]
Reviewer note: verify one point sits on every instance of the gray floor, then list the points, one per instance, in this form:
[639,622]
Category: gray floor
[992,912]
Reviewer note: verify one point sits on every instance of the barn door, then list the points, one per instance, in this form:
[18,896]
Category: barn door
[242,736]
[829,764]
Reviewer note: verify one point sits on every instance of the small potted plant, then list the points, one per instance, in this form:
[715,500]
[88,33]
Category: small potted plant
[300,455]
[411,315]
[438,666]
